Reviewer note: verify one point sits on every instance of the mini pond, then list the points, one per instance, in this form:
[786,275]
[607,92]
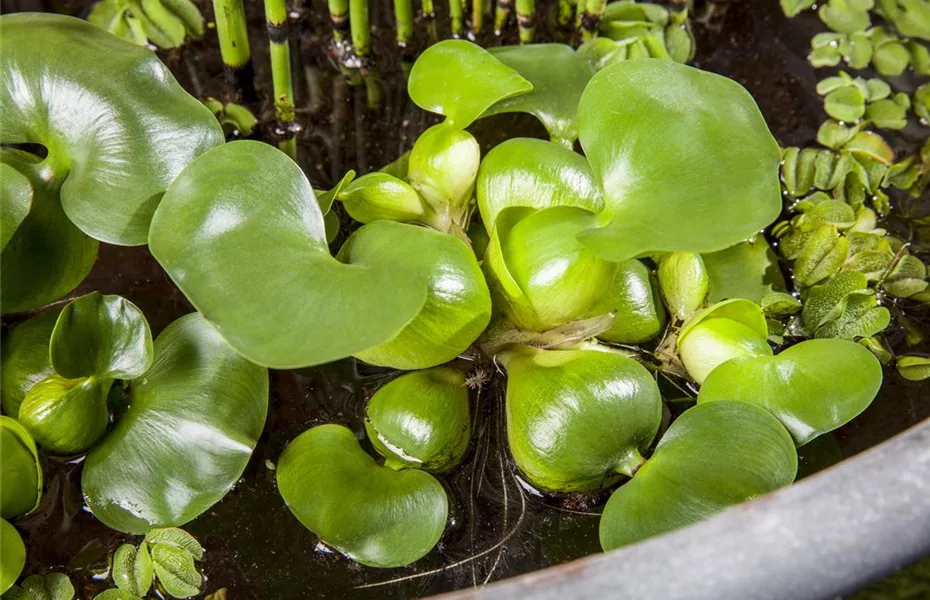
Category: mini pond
[501,521]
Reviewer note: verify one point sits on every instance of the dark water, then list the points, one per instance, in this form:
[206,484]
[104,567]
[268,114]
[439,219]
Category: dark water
[255,547]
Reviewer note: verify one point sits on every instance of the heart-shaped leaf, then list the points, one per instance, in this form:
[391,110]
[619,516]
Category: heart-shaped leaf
[117,126]
[172,536]
[747,270]
[24,359]
[242,221]
[20,471]
[813,387]
[132,569]
[578,420]
[176,571]
[47,256]
[639,314]
[13,557]
[536,174]
[66,416]
[192,422]
[374,515]
[558,75]
[102,336]
[702,163]
[712,457]
[15,201]
[458,303]
[431,432]
[461,80]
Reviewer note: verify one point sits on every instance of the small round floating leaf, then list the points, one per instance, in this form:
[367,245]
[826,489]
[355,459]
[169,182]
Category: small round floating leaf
[558,75]
[132,569]
[845,104]
[823,255]
[20,471]
[461,80]
[374,515]
[674,145]
[712,457]
[639,314]
[54,586]
[24,359]
[176,572]
[102,336]
[116,124]
[536,174]
[242,222]
[192,423]
[66,416]
[458,303]
[15,201]
[421,419]
[173,536]
[747,270]
[13,557]
[578,419]
[913,368]
[813,387]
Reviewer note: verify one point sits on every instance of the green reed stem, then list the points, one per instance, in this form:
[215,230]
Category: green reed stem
[477,15]
[457,15]
[234,46]
[339,17]
[590,19]
[566,12]
[403,15]
[361,30]
[501,14]
[429,15]
[280,49]
[526,20]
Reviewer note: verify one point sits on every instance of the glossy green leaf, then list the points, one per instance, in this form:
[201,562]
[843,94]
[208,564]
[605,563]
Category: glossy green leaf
[66,416]
[747,270]
[192,422]
[742,311]
[812,387]
[461,80]
[24,359]
[578,420]
[458,303]
[913,368]
[47,256]
[103,336]
[175,570]
[792,8]
[712,457]
[117,126]
[536,174]
[15,201]
[242,222]
[683,282]
[132,569]
[326,198]
[374,515]
[13,557]
[633,297]
[172,536]
[823,255]
[558,75]
[703,163]
[20,471]
[379,196]
[54,586]
[541,276]
[421,420]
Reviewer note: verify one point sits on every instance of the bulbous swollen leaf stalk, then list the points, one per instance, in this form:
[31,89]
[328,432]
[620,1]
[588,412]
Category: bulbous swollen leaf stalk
[684,282]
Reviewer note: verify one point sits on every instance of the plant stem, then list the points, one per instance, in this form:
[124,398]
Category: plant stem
[429,15]
[456,14]
[566,12]
[361,31]
[279,45]
[234,47]
[477,15]
[403,14]
[339,17]
[501,14]
[526,20]
[590,19]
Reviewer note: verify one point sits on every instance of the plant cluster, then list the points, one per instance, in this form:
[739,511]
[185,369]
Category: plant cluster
[582,276]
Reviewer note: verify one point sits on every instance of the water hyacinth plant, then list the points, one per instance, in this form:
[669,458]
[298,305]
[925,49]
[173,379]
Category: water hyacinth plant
[595,271]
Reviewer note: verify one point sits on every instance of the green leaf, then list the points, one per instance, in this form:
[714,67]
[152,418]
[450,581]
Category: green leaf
[458,303]
[845,103]
[913,20]
[461,80]
[742,311]
[792,8]
[325,199]
[132,569]
[823,255]
[379,196]
[47,256]
[747,270]
[639,314]
[102,336]
[66,416]
[117,126]
[20,471]
[846,16]
[887,114]
[54,586]
[558,75]
[861,317]
[813,387]
[13,557]
[15,201]
[780,304]
[192,423]
[708,173]
[913,368]
[712,457]
[908,277]
[175,570]
[891,56]
[826,302]
[535,174]
[243,219]
[375,515]
[593,447]
[172,536]
[115,593]
[442,168]
[432,433]
[24,359]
